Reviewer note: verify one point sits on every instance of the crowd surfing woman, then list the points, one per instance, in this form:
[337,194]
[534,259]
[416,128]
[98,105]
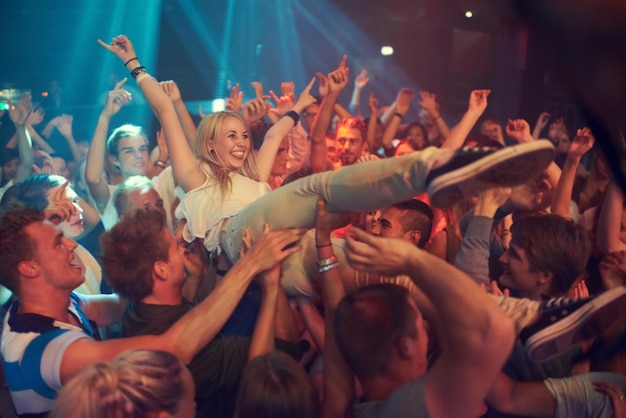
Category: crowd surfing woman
[224,182]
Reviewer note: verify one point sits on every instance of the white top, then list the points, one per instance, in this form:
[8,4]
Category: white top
[206,210]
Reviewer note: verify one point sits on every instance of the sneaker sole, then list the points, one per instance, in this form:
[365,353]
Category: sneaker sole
[587,322]
[509,166]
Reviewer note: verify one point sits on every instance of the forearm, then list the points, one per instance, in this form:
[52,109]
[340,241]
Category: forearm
[457,135]
[473,255]
[97,150]
[206,320]
[73,146]
[25,150]
[39,141]
[189,128]
[271,142]
[262,341]
[610,220]
[562,195]
[319,150]
[390,131]
[355,101]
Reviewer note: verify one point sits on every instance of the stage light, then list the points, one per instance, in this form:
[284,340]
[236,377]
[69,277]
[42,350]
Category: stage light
[469,14]
[386,50]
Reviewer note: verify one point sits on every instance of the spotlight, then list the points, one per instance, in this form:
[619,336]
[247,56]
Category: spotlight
[469,14]
[218,105]
[386,50]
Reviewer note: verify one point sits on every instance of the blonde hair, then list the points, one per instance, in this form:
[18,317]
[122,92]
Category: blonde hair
[134,384]
[210,162]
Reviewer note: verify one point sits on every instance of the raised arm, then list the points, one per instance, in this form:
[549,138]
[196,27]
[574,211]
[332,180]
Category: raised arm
[562,195]
[186,172]
[542,122]
[35,118]
[403,103]
[338,378]
[610,223]
[19,115]
[199,326]
[65,129]
[337,81]
[429,103]
[360,82]
[189,128]
[278,131]
[475,109]
[477,337]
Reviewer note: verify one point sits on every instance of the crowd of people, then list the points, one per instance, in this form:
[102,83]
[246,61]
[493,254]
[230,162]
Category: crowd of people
[292,257]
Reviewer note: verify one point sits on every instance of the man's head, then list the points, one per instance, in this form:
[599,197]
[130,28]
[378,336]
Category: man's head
[376,324]
[139,250]
[411,220]
[128,146]
[351,133]
[546,255]
[134,193]
[33,248]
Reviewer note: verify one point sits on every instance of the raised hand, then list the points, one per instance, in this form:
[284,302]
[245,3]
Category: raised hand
[116,98]
[616,396]
[338,79]
[283,103]
[171,89]
[305,99]
[323,86]
[235,101]
[287,88]
[255,110]
[64,125]
[387,256]
[47,164]
[61,208]
[403,100]
[35,117]
[542,121]
[582,143]
[613,269]
[373,104]
[19,113]
[519,130]
[121,46]
[326,222]
[361,80]
[428,101]
[272,247]
[478,102]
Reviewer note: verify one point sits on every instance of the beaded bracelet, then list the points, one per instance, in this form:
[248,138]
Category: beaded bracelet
[326,262]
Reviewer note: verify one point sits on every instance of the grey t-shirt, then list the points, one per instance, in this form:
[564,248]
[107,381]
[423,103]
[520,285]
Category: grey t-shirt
[406,401]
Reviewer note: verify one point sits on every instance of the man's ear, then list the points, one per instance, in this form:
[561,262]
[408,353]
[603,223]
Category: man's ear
[545,277]
[413,236]
[159,270]
[405,347]
[28,268]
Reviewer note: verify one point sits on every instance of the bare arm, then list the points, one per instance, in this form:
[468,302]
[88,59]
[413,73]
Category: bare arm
[429,102]
[610,221]
[563,192]
[278,131]
[194,330]
[97,150]
[476,336]
[531,399]
[189,128]
[337,81]
[186,172]
[476,107]
[65,129]
[35,118]
[19,114]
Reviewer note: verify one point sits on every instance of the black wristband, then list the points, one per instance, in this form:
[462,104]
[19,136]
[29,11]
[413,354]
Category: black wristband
[293,115]
[137,70]
[130,60]
[400,115]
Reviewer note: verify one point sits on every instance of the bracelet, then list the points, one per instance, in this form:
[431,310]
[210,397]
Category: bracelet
[137,70]
[400,115]
[130,60]
[293,115]
[160,163]
[141,77]
[328,267]
[322,246]
[326,262]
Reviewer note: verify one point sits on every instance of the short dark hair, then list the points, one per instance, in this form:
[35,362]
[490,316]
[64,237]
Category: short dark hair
[416,216]
[129,251]
[15,244]
[368,322]
[275,385]
[555,245]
